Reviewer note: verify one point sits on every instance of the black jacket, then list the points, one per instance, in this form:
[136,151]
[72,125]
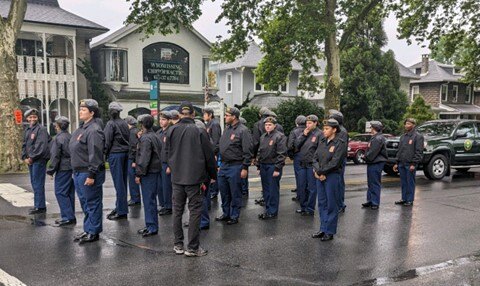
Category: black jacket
[258,131]
[329,156]
[214,133]
[294,134]
[190,154]
[273,149]
[162,135]
[117,136]
[148,154]
[343,134]
[236,145]
[377,149]
[132,142]
[86,149]
[60,154]
[410,148]
[36,143]
[307,146]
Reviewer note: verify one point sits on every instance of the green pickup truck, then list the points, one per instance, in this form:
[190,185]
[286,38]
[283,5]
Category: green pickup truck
[449,144]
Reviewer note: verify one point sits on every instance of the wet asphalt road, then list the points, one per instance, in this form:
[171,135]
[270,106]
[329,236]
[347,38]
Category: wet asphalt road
[434,243]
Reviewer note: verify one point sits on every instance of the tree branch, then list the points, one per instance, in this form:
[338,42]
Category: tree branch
[18,8]
[353,22]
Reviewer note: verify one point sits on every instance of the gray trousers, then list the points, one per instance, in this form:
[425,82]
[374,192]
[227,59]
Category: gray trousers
[195,203]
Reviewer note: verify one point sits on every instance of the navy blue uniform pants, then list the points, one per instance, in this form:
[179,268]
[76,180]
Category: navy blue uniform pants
[90,200]
[328,192]
[230,186]
[271,188]
[205,219]
[307,191]
[65,194]
[407,179]
[149,196]
[374,178]
[245,186]
[132,186]
[119,170]
[341,196]
[37,178]
[296,170]
[166,187]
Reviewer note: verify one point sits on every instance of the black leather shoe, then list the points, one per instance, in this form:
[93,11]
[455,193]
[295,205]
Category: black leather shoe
[232,221]
[266,216]
[400,202]
[294,199]
[327,237]
[294,191]
[308,213]
[142,231]
[89,238]
[342,209]
[165,212]
[374,207]
[260,201]
[116,217]
[299,211]
[319,234]
[65,222]
[222,218]
[149,233]
[408,204]
[366,205]
[133,203]
[205,227]
[79,236]
[112,213]
[37,211]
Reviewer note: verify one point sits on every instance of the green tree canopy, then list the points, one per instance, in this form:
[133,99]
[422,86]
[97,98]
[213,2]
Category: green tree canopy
[288,110]
[420,111]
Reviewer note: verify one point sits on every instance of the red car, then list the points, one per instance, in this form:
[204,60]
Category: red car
[357,147]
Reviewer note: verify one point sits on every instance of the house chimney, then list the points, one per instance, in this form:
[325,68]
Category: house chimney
[425,59]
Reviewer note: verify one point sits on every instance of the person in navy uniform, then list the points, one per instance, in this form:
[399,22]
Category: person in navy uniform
[307,143]
[376,157]
[117,138]
[294,153]
[148,169]
[214,133]
[86,152]
[327,166]
[271,159]
[343,134]
[236,156]
[35,153]
[165,190]
[192,163]
[244,180]
[409,155]
[205,217]
[135,197]
[61,168]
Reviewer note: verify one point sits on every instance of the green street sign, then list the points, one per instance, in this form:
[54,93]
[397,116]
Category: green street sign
[153,104]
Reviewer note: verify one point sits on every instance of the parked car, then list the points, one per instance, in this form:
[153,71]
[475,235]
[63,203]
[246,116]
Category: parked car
[357,147]
[449,144]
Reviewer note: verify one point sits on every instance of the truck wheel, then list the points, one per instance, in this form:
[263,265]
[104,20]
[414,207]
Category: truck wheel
[389,170]
[359,157]
[463,170]
[437,168]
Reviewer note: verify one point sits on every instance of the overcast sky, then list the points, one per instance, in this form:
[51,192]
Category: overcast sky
[112,13]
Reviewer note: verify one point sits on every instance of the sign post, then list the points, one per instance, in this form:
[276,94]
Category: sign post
[155,99]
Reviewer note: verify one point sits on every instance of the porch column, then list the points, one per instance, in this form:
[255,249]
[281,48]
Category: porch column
[45,76]
[74,40]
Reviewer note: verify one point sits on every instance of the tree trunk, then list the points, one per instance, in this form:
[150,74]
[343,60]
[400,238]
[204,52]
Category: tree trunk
[332,54]
[11,139]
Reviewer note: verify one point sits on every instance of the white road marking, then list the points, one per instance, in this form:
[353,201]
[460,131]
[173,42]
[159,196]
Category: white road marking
[8,280]
[17,196]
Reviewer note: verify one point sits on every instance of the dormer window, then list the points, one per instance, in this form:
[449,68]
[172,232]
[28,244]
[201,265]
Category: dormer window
[114,66]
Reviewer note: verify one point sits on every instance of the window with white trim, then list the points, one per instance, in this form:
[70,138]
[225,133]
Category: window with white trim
[260,87]
[455,93]
[228,82]
[444,92]
[415,91]
[468,94]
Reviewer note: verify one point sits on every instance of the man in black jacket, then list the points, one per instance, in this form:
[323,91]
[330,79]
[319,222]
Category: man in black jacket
[165,189]
[409,155]
[236,157]
[61,167]
[293,152]
[214,133]
[117,137]
[135,198]
[192,162]
[376,157]
[148,168]
[271,159]
[35,153]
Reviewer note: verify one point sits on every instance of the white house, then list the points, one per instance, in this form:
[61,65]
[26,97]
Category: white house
[127,61]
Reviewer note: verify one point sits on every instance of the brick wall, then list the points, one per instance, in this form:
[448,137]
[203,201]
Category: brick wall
[431,93]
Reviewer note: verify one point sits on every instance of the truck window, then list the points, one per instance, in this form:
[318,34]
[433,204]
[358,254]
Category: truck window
[468,129]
